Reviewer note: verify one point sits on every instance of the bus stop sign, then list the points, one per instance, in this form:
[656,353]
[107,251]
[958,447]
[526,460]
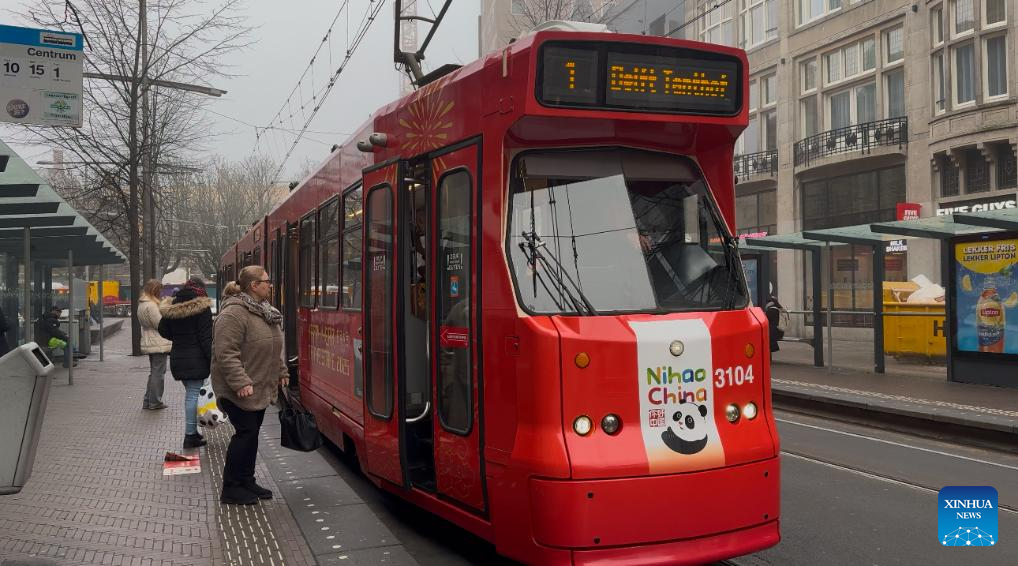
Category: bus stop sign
[40,76]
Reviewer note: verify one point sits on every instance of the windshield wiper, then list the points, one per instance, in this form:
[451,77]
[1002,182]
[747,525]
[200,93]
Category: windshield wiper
[556,273]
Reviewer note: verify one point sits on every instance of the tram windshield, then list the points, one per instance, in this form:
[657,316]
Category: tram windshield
[618,230]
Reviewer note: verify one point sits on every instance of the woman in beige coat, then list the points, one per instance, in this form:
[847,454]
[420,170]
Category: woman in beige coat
[247,369]
[157,347]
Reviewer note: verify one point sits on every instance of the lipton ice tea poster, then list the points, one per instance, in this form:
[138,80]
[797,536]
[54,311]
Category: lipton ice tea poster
[987,292]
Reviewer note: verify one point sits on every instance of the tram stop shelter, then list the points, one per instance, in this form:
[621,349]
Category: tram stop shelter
[39,231]
[952,231]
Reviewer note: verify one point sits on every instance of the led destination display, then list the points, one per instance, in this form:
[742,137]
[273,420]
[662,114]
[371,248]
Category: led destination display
[646,78]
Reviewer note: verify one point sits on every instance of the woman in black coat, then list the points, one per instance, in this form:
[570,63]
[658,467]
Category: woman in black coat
[187,322]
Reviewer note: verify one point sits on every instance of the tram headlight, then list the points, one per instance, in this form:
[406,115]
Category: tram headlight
[749,411]
[611,423]
[732,413]
[583,425]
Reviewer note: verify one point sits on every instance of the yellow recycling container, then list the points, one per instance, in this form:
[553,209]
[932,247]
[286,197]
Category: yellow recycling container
[919,337]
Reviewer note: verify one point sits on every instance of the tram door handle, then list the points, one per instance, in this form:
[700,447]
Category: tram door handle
[360,335]
[424,413]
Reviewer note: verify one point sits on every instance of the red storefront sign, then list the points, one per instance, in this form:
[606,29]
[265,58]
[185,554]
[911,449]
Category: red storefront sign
[908,210]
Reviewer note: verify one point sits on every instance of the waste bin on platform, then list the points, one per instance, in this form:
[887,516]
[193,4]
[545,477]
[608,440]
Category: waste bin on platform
[25,382]
[913,336]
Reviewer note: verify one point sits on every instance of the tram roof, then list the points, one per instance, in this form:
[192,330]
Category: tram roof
[27,200]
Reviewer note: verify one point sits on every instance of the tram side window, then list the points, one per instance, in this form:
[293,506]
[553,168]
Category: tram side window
[454,317]
[307,262]
[257,258]
[328,248]
[352,214]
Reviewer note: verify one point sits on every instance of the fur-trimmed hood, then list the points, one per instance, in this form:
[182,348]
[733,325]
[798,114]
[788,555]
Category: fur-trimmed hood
[186,308]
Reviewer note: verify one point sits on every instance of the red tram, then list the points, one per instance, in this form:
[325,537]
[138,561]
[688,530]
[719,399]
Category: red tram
[515,295]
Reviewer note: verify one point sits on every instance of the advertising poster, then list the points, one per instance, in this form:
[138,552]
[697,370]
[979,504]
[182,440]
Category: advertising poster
[986,280]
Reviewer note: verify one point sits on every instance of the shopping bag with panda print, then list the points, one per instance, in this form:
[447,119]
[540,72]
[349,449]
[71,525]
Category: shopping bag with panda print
[208,412]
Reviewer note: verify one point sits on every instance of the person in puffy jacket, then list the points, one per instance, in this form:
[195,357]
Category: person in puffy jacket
[49,335]
[247,371]
[187,323]
[157,347]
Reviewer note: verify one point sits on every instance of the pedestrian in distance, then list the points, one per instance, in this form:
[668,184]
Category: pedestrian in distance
[187,323]
[247,370]
[4,346]
[49,335]
[773,311]
[157,347]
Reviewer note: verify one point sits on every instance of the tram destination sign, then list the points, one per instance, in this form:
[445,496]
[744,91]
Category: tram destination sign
[40,76]
[647,78]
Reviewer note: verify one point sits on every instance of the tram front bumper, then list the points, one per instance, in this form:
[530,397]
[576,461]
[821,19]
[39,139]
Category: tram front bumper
[674,508]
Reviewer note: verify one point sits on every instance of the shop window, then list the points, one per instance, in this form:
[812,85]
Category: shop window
[352,240]
[328,249]
[307,262]
[977,172]
[948,178]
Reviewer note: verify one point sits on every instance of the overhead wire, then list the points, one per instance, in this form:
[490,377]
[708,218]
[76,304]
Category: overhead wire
[369,18]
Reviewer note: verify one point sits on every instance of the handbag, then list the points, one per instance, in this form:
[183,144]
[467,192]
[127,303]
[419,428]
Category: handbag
[209,414]
[297,427]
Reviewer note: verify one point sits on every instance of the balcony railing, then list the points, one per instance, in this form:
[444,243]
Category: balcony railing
[860,137]
[753,164]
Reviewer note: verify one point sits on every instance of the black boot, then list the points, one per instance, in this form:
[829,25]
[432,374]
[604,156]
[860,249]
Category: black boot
[262,493]
[193,441]
[235,493]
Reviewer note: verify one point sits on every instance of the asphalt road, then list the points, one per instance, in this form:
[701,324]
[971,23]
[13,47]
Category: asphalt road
[851,495]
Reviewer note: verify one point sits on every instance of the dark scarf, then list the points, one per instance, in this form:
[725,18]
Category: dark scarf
[270,313]
[199,291]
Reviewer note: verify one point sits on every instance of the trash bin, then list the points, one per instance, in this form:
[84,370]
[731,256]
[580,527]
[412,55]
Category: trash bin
[25,384]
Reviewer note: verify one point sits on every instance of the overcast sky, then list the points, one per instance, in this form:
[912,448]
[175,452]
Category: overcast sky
[286,35]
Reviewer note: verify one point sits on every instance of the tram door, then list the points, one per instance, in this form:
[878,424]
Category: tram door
[290,296]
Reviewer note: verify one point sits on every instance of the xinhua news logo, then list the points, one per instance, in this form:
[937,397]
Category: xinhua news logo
[967,516]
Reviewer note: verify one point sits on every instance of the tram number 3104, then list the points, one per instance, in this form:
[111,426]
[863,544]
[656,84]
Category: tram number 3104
[727,377]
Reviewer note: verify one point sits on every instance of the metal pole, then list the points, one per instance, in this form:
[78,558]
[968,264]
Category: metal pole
[102,305]
[69,350]
[818,308]
[878,307]
[946,270]
[830,317]
[26,308]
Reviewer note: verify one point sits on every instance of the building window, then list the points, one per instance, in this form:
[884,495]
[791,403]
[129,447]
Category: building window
[995,49]
[856,105]
[751,136]
[937,25]
[810,10]
[518,7]
[895,85]
[770,90]
[939,90]
[894,40]
[756,213]
[948,178]
[964,75]
[717,24]
[770,125]
[1007,167]
[657,27]
[759,22]
[995,12]
[977,172]
[754,95]
[963,18]
[851,60]
[810,124]
[809,75]
[328,250]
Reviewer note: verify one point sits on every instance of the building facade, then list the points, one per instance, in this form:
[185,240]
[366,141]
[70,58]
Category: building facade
[855,106]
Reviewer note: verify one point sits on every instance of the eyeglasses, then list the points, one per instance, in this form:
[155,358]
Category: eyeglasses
[267,281]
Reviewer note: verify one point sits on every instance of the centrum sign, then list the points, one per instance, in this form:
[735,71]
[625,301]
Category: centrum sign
[40,76]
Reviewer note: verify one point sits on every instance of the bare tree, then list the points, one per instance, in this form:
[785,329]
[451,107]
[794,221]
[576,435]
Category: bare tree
[530,13]
[219,204]
[133,45]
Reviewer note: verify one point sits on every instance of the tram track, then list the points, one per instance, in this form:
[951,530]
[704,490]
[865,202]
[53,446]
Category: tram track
[877,476]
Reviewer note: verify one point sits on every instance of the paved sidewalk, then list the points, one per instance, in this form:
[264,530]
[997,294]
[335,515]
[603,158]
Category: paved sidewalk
[920,394]
[97,494]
